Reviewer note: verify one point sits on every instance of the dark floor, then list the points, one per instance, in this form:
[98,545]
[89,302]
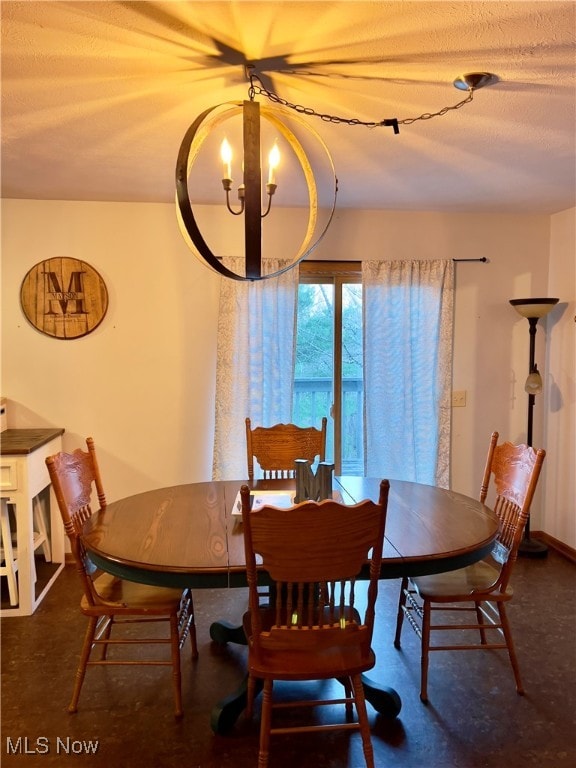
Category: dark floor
[474,719]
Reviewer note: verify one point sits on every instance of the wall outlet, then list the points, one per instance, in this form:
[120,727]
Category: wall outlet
[459,398]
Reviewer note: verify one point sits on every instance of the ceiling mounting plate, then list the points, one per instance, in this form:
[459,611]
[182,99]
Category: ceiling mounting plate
[473,80]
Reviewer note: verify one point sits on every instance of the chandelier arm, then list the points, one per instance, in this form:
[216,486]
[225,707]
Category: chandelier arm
[267,211]
[232,211]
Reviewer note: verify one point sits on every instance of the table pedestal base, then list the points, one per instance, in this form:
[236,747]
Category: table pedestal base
[385,701]
[222,632]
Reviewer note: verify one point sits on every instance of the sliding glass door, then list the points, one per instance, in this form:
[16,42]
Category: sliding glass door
[328,377]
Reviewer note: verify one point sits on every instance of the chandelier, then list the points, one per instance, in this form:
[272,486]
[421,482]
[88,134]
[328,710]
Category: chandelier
[250,190]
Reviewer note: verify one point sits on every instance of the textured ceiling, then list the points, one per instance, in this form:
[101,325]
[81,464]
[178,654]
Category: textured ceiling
[97,96]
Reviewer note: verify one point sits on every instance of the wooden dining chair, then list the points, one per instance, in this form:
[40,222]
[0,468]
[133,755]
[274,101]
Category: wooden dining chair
[108,601]
[312,630]
[277,448]
[484,587]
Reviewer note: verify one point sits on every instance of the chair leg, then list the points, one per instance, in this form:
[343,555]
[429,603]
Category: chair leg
[265,724]
[348,693]
[84,656]
[510,645]
[400,615]
[176,672]
[363,721]
[192,624]
[186,622]
[250,694]
[480,620]
[106,636]
[193,641]
[425,652]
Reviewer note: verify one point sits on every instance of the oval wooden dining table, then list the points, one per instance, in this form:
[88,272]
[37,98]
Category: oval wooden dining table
[191,536]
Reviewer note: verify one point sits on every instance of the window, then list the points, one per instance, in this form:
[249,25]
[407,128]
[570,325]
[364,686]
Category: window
[328,378]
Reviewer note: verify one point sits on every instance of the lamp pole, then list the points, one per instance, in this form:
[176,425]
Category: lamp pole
[530,547]
[531,396]
[532,310]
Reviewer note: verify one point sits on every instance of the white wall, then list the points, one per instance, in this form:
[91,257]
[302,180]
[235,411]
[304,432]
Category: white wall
[142,384]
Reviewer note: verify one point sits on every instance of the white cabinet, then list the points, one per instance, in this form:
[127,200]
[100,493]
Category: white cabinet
[24,483]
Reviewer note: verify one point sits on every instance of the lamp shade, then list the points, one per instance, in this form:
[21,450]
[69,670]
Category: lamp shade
[533,307]
[533,383]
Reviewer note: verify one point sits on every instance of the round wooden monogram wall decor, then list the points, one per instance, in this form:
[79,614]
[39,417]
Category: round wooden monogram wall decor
[64,298]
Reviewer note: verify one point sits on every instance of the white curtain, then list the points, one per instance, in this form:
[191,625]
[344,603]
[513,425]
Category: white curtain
[408,322]
[255,363]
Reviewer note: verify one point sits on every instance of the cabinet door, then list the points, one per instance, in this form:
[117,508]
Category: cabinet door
[9,475]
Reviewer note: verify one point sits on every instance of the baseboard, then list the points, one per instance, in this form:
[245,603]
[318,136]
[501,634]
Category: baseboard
[559,546]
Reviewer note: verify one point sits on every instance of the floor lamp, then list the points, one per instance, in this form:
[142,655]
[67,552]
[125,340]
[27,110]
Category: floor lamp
[532,310]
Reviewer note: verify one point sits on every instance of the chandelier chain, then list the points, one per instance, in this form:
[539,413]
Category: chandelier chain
[388,122]
[440,113]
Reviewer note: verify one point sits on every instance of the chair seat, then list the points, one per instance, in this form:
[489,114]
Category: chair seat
[461,584]
[295,665]
[136,597]
[310,660]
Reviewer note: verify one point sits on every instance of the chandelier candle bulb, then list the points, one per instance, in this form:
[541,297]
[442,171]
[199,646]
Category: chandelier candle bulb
[273,160]
[226,155]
